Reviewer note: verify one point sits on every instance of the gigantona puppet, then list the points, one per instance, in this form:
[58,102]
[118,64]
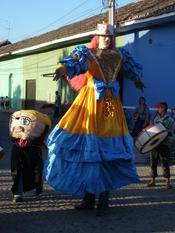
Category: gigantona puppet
[90,150]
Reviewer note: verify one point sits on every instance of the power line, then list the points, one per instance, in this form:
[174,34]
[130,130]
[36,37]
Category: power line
[4,20]
[70,12]
[67,14]
[3,26]
[87,12]
[57,20]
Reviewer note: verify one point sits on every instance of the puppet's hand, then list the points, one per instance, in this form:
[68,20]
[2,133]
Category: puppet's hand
[139,84]
[59,73]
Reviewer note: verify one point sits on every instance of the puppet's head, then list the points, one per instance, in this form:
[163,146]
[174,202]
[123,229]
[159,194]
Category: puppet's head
[29,125]
[104,29]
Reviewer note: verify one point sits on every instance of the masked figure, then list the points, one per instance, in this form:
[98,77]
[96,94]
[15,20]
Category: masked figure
[28,129]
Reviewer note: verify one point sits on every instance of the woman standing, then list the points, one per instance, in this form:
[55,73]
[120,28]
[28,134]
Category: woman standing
[142,116]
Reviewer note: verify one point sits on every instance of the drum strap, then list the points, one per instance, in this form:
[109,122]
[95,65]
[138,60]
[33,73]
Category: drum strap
[163,119]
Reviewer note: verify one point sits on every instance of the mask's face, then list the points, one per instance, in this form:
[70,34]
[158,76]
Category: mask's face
[104,42]
[25,126]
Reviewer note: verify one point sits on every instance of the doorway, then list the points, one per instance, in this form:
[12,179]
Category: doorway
[30,94]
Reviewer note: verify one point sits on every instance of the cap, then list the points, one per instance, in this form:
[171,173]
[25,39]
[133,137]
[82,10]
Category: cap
[104,30]
[162,105]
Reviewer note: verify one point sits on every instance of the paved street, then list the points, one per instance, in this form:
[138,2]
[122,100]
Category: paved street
[133,209]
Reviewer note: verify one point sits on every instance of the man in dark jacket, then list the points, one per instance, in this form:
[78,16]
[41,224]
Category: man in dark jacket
[57,106]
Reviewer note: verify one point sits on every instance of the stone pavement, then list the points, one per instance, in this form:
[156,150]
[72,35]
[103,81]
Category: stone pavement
[133,209]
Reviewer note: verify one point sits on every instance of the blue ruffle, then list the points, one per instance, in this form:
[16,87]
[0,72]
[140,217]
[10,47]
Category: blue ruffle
[77,164]
[72,66]
[79,178]
[89,148]
[130,68]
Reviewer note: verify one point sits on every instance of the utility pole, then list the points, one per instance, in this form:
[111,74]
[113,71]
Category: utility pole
[111,14]
[111,4]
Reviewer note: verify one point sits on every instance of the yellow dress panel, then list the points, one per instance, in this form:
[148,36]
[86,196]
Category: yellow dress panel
[82,117]
[87,115]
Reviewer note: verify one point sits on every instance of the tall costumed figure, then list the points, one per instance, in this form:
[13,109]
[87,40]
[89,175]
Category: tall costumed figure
[90,149]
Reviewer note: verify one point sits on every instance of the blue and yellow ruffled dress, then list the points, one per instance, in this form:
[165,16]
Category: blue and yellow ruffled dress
[90,150]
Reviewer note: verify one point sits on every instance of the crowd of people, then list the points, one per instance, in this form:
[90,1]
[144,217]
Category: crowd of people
[90,150]
[4,102]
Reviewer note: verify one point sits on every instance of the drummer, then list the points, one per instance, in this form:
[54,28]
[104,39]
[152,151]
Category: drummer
[161,152]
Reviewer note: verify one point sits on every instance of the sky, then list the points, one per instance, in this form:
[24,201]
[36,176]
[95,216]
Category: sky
[21,19]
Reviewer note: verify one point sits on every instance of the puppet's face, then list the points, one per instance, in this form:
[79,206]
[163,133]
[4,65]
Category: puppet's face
[24,125]
[104,42]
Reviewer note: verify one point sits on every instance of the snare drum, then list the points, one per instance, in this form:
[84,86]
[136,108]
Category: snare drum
[150,137]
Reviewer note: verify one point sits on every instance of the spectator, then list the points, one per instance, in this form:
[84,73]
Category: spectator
[142,117]
[2,102]
[57,105]
[6,102]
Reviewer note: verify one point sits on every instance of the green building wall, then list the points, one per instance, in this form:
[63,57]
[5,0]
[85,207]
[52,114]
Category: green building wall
[34,66]
[120,41]
[11,78]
